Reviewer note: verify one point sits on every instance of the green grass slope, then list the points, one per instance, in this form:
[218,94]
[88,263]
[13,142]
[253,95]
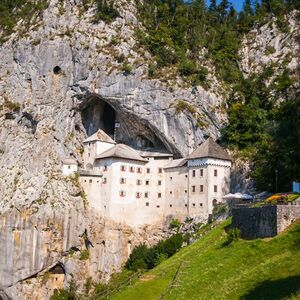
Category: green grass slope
[210,269]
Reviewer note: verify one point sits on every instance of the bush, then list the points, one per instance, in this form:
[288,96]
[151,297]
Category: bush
[84,254]
[105,11]
[143,257]
[127,68]
[187,68]
[233,235]
[175,223]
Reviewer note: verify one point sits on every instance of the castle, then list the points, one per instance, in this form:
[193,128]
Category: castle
[145,187]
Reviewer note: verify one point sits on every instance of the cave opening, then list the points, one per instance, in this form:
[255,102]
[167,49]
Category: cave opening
[120,125]
[99,115]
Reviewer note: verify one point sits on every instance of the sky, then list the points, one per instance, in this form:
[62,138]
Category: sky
[238,4]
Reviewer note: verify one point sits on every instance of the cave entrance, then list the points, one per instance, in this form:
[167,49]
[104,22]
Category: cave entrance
[99,115]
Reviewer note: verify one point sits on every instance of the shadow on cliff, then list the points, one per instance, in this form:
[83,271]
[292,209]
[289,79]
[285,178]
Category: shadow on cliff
[276,289]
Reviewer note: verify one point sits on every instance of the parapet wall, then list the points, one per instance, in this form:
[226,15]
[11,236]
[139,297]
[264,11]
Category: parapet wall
[286,215]
[266,221]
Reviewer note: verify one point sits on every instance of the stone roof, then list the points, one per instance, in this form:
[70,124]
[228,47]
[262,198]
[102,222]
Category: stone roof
[122,151]
[70,161]
[210,149]
[101,136]
[176,163]
[154,153]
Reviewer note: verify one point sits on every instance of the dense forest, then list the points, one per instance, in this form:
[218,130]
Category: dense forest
[263,109]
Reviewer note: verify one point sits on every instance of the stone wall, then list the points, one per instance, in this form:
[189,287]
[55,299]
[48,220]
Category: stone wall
[266,221]
[256,222]
[286,215]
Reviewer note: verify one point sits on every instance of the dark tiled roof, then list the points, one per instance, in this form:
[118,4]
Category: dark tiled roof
[211,149]
[122,151]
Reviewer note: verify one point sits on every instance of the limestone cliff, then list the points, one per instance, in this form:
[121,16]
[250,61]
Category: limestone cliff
[58,81]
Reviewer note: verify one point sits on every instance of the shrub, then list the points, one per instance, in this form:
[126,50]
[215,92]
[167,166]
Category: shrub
[105,11]
[84,254]
[233,235]
[202,74]
[187,68]
[175,223]
[143,257]
[136,257]
[127,68]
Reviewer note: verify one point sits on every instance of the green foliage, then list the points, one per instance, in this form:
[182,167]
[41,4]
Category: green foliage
[84,254]
[175,223]
[234,235]
[187,68]
[126,68]
[12,106]
[105,11]
[143,257]
[11,11]
[66,294]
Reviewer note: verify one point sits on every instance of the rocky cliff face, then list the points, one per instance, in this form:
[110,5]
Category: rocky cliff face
[57,82]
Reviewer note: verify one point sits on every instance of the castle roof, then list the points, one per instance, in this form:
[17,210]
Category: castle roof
[100,136]
[122,151]
[154,153]
[209,149]
[70,161]
[176,163]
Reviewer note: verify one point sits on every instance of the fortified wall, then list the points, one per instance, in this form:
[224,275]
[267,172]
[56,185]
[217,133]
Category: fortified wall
[266,221]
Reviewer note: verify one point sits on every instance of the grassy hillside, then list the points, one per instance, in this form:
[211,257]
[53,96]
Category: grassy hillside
[212,269]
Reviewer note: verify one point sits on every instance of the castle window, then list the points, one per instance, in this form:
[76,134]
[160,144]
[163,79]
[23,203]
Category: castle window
[159,170]
[194,204]
[159,182]
[159,195]
[104,180]
[201,172]
[122,180]
[171,192]
[123,168]
[69,167]
[185,191]
[89,154]
[138,195]
[147,182]
[193,188]
[201,189]
[158,206]
[148,170]
[139,182]
[171,178]
[104,168]
[201,204]
[171,205]
[215,173]
[215,202]
[194,173]
[122,193]
[147,203]
[185,176]
[139,170]
[90,181]
[185,205]
[131,169]
[146,195]
[215,189]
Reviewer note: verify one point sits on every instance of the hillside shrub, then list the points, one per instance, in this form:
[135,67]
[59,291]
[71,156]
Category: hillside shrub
[187,68]
[105,11]
[175,223]
[143,257]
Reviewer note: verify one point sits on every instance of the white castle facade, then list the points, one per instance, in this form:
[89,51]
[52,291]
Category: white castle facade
[142,187]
